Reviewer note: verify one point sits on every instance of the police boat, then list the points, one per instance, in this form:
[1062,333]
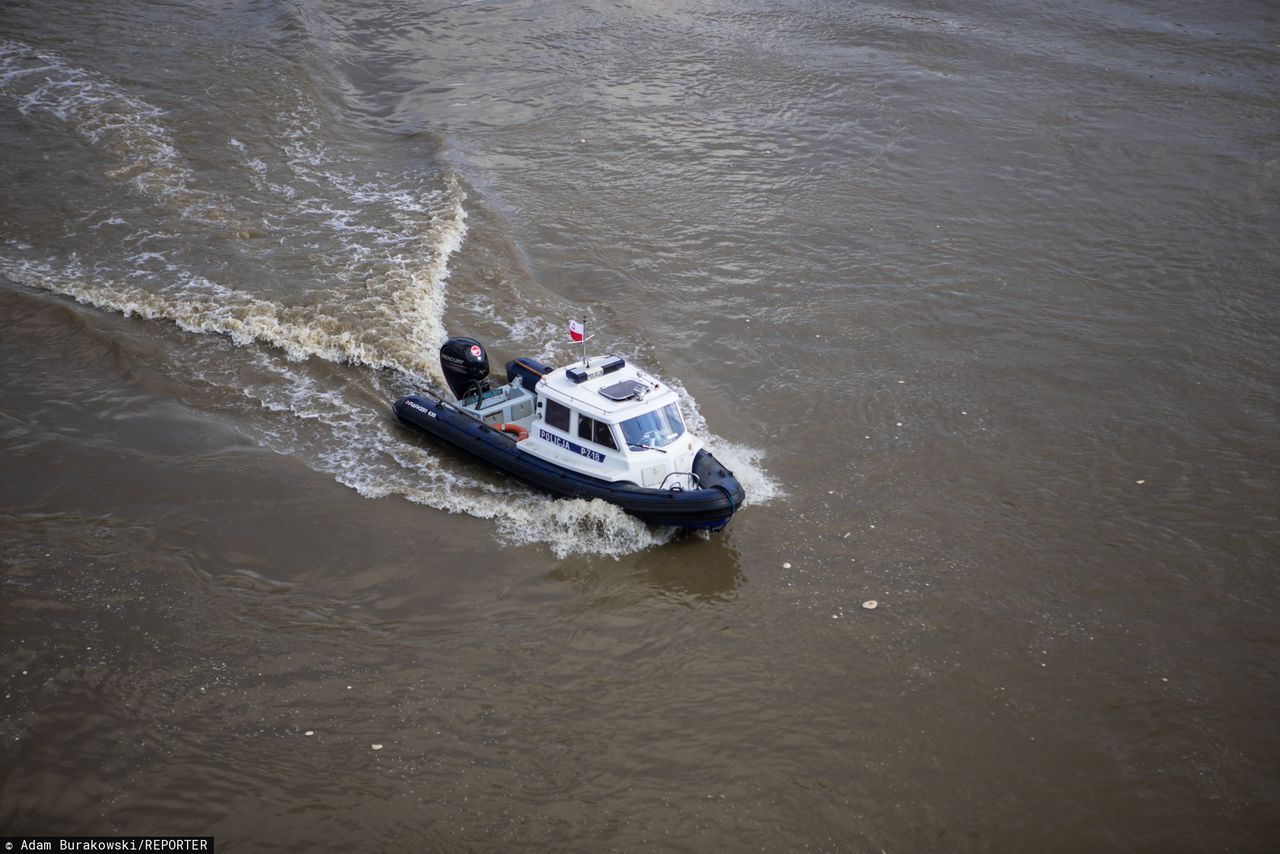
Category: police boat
[598,428]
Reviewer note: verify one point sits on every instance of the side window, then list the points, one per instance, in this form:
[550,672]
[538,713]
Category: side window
[558,415]
[595,431]
[604,436]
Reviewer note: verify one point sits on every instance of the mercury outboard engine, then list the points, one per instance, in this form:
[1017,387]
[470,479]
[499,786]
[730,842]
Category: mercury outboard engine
[466,367]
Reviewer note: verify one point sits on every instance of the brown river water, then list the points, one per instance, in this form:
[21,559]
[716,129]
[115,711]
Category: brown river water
[978,299]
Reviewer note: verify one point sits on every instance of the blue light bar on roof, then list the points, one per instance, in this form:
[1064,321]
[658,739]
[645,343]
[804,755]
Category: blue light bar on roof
[608,366]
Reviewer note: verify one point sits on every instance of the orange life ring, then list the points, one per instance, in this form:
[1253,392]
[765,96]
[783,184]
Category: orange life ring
[515,429]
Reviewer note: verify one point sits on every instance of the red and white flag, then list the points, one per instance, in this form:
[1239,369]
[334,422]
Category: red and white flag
[576,330]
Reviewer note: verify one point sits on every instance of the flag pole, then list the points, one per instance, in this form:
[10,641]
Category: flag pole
[585,339]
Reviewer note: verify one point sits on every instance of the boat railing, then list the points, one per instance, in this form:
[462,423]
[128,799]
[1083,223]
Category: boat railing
[694,481]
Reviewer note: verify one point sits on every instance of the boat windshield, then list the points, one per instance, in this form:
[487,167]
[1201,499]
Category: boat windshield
[654,429]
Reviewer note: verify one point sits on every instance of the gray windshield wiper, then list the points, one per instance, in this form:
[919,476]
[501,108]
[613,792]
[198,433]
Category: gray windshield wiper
[642,447]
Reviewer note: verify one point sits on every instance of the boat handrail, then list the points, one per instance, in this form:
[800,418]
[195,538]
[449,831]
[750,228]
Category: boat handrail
[694,481]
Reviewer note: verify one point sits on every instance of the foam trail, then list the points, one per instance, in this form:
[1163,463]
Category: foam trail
[368,455]
[403,235]
[203,306]
[126,127]
[320,426]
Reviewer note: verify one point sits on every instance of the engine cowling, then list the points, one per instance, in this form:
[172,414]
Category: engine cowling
[465,365]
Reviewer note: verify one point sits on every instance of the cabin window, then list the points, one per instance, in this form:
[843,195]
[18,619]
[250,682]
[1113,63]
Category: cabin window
[558,415]
[604,436]
[654,429]
[595,431]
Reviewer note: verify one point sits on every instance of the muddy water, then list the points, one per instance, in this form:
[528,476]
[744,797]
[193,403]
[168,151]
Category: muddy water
[978,301]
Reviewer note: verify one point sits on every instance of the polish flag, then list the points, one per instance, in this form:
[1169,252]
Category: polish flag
[576,330]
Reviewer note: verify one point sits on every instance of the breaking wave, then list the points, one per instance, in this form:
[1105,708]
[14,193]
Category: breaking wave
[196,304]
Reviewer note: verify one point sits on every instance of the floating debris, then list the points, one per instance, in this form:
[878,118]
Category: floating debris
[310,732]
[1139,482]
[784,566]
[871,604]
[376,746]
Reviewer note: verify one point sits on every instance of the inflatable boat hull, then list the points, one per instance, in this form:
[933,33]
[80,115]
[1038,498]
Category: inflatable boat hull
[709,506]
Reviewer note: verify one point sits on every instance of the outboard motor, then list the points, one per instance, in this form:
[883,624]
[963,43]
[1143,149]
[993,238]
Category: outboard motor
[466,367]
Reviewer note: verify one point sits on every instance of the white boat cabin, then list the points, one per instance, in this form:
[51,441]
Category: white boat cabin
[603,418]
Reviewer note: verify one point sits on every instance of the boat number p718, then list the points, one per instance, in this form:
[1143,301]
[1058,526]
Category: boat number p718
[595,456]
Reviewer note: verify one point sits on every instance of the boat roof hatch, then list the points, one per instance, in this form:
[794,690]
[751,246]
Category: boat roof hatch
[625,390]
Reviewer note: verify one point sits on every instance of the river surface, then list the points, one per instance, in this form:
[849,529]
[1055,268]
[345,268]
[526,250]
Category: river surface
[978,299]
